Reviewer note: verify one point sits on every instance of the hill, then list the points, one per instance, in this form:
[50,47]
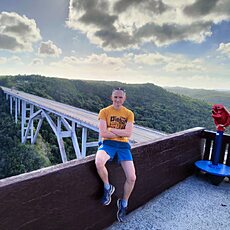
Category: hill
[209,96]
[153,106]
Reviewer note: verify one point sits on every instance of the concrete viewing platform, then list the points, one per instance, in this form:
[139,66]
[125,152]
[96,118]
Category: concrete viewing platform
[166,195]
[193,204]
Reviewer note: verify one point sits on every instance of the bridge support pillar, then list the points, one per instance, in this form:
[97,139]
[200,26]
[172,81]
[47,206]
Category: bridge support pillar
[27,125]
[75,142]
[11,105]
[19,104]
[83,141]
[23,120]
[23,106]
[16,110]
[32,124]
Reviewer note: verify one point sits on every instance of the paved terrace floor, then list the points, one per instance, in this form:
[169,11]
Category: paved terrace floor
[193,204]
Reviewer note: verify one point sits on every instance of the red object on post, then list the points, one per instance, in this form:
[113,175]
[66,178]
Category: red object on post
[218,170]
[221,117]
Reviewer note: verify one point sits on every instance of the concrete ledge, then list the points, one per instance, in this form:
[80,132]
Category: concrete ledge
[67,196]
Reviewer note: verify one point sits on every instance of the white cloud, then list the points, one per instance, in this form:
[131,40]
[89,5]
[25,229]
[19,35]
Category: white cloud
[184,67]
[13,59]
[180,63]
[151,59]
[97,67]
[95,59]
[163,70]
[37,61]
[121,24]
[17,33]
[224,48]
[3,60]
[49,49]
[169,62]
[16,60]
[194,81]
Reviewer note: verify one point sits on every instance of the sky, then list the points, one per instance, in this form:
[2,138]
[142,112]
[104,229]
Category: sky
[164,42]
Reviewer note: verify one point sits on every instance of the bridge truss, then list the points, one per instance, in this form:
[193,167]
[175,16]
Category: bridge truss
[64,121]
[30,109]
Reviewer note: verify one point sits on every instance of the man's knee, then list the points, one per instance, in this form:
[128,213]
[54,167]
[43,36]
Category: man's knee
[99,163]
[131,179]
[100,160]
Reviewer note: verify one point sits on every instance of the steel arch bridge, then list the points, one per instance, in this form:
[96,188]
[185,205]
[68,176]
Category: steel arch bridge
[29,108]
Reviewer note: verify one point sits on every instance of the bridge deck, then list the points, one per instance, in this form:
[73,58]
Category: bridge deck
[82,117]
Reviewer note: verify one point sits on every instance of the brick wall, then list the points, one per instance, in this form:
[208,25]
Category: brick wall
[66,196]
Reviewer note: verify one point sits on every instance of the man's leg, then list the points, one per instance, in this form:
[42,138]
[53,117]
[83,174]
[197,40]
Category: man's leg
[129,170]
[101,158]
[130,174]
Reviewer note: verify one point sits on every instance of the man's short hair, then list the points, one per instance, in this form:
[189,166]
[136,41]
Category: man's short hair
[119,88]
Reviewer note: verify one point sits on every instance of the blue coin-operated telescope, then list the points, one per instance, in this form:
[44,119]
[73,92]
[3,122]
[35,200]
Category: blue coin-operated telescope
[221,118]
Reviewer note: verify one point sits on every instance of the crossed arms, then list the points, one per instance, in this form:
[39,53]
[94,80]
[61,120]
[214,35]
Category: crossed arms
[106,132]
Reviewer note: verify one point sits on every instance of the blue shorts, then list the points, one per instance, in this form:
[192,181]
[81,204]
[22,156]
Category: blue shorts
[118,149]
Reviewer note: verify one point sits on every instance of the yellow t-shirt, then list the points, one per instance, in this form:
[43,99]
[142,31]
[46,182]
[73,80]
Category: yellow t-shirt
[116,119]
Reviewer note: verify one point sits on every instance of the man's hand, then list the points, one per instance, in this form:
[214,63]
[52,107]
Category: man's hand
[104,132]
[127,132]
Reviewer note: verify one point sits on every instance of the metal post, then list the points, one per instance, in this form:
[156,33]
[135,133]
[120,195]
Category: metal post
[11,105]
[32,124]
[19,106]
[62,149]
[37,130]
[75,142]
[58,125]
[23,117]
[60,141]
[83,143]
[217,148]
[16,111]
[57,131]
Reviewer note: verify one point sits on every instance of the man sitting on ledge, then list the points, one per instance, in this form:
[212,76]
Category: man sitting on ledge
[115,127]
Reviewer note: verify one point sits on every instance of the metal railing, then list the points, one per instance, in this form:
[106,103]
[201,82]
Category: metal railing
[209,138]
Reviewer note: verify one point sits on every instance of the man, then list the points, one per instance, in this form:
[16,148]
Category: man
[115,127]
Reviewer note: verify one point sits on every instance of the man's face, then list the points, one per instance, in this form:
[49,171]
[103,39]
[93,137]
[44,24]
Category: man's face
[118,97]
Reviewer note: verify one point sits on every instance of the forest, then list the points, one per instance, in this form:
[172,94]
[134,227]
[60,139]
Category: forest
[210,96]
[153,106]
[16,158]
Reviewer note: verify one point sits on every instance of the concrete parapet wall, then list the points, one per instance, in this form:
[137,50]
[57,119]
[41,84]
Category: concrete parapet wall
[66,196]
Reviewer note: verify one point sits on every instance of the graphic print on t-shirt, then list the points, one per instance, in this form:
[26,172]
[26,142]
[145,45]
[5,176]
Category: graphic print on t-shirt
[118,122]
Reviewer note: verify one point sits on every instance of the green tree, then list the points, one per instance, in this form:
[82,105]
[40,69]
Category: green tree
[16,158]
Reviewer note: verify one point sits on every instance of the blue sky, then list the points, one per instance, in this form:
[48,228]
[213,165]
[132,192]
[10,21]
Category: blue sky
[168,43]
